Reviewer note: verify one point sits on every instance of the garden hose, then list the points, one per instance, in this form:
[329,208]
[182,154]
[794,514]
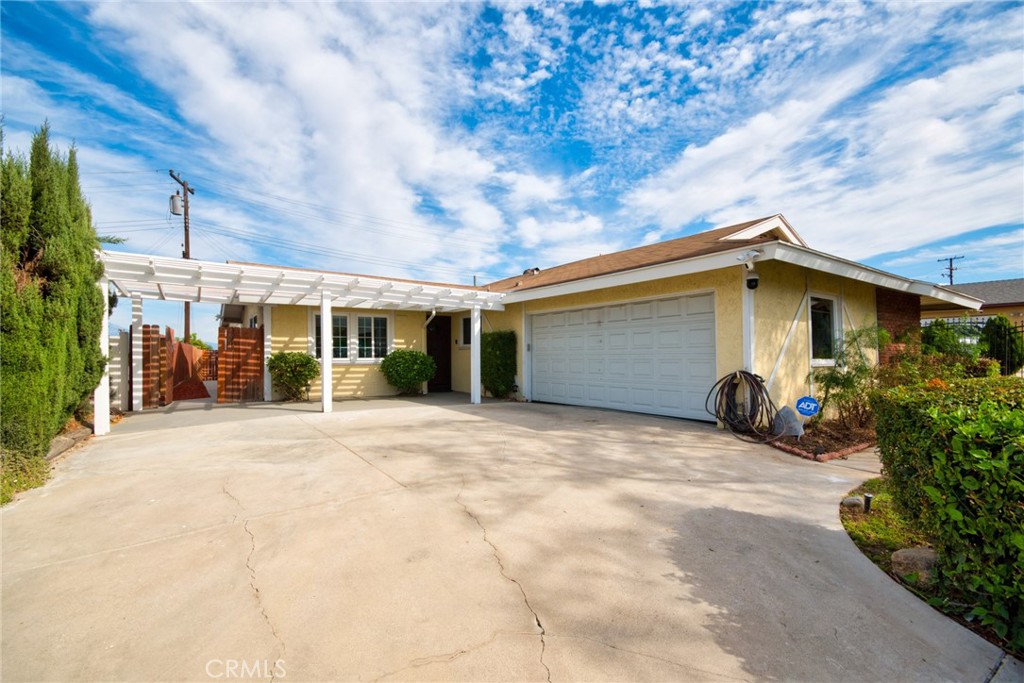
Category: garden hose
[743,405]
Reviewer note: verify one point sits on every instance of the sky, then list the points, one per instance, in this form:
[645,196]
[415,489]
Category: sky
[453,141]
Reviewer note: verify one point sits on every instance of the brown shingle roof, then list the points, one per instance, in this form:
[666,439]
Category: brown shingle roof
[994,292]
[701,244]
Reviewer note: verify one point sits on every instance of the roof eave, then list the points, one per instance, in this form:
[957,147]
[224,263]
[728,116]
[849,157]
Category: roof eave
[816,260]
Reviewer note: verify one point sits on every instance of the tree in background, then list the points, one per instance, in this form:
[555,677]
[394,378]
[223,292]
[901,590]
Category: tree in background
[195,341]
[52,309]
[1004,343]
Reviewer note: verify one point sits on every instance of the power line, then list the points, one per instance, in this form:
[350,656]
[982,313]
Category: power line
[949,269]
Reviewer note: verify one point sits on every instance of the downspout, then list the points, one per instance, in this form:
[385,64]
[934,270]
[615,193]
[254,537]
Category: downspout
[433,314]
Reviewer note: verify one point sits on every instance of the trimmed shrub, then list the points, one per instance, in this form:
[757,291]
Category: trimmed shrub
[498,362]
[407,370]
[1004,343]
[954,454]
[52,307]
[291,372]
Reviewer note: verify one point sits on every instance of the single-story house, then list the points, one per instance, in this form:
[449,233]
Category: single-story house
[998,297]
[648,329]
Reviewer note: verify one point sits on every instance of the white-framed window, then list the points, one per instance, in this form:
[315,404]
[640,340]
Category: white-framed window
[825,330]
[339,332]
[357,338]
[466,325]
[372,336]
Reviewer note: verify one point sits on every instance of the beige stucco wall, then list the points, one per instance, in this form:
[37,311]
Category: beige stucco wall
[1014,313]
[290,332]
[778,301]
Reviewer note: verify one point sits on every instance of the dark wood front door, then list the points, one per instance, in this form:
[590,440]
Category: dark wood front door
[439,347]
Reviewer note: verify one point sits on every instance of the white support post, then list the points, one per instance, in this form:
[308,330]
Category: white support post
[136,353]
[268,387]
[101,397]
[327,352]
[748,323]
[474,357]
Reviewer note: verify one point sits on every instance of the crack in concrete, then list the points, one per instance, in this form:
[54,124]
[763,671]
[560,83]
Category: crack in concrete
[646,655]
[443,658]
[995,669]
[256,592]
[224,489]
[352,451]
[504,573]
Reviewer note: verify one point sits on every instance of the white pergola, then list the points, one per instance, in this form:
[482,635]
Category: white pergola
[139,277]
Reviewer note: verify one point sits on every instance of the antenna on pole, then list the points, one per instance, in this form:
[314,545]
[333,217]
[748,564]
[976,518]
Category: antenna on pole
[949,269]
[183,200]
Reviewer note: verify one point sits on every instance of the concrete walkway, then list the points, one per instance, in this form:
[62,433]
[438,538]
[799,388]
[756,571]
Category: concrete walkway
[434,540]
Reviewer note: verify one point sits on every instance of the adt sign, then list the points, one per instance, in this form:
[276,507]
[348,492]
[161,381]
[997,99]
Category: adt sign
[807,406]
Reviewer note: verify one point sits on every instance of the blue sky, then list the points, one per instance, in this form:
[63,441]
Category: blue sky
[444,141]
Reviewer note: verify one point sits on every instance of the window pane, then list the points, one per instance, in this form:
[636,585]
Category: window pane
[822,328]
[380,337]
[467,331]
[365,337]
[340,336]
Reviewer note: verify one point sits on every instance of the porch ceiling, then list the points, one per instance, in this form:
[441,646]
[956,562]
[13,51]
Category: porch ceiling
[173,279]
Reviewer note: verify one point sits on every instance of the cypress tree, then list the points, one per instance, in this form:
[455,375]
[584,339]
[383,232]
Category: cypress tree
[52,310]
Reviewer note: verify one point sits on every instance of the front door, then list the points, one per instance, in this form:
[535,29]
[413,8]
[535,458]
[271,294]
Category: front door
[439,347]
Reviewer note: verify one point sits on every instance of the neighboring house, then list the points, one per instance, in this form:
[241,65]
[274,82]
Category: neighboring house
[998,297]
[648,329]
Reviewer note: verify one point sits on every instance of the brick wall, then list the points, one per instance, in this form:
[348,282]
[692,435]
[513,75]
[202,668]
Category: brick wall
[898,313]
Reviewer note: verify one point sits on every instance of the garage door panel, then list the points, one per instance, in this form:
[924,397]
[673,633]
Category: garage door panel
[643,340]
[642,311]
[653,356]
[618,341]
[704,303]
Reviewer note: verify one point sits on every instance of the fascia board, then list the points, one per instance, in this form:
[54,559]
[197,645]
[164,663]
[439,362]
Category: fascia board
[816,260]
[699,264]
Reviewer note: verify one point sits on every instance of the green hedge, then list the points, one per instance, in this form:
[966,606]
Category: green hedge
[498,362]
[407,370]
[52,307]
[954,454]
[291,372]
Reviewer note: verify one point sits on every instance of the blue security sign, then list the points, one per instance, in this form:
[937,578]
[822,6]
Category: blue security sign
[807,406]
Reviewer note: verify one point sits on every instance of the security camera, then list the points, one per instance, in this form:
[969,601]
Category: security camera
[753,279]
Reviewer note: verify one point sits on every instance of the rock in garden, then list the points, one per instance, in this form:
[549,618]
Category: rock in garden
[853,503]
[918,564]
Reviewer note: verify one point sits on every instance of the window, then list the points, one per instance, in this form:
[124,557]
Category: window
[823,330]
[373,336]
[339,332]
[467,332]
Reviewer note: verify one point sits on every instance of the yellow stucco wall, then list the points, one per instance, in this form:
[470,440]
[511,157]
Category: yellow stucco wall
[778,301]
[509,319]
[290,330]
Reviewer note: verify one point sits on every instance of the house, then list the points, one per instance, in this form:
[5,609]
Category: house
[998,297]
[648,329]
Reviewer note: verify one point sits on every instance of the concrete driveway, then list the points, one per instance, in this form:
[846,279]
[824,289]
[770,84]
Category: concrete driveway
[432,540]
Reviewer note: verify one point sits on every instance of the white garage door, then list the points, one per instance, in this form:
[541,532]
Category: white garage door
[648,357]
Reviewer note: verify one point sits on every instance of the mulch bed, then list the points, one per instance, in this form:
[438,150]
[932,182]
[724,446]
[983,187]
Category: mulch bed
[826,441]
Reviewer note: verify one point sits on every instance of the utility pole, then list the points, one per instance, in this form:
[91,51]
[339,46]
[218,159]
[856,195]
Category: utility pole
[188,189]
[948,269]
